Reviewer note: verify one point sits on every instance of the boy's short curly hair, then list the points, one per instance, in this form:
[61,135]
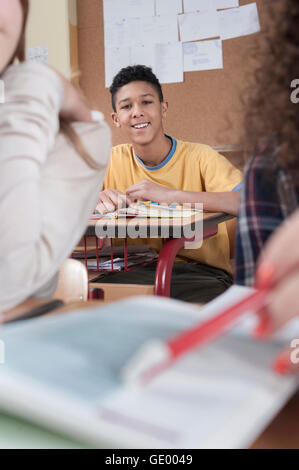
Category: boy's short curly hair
[134,73]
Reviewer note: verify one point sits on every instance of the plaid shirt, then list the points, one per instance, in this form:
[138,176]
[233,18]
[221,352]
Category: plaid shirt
[268,196]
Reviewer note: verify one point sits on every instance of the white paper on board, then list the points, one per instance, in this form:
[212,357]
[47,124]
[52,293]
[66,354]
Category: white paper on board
[169,62]
[168,7]
[143,55]
[38,54]
[221,4]
[159,29]
[203,55]
[115,9]
[115,33]
[197,5]
[115,59]
[132,32]
[238,22]
[201,25]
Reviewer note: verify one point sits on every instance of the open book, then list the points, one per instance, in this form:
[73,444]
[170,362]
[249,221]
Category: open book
[66,373]
[153,209]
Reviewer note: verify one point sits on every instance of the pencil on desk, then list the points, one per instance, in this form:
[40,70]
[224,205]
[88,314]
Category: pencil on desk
[158,355]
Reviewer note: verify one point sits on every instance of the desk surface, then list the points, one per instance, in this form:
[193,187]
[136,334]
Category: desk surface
[161,227]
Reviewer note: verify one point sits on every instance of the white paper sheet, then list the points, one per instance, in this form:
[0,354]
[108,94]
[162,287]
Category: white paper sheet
[168,7]
[220,4]
[38,54]
[202,25]
[197,5]
[114,9]
[166,29]
[144,55]
[169,62]
[203,5]
[115,59]
[203,55]
[133,32]
[239,21]
[159,29]
[115,33]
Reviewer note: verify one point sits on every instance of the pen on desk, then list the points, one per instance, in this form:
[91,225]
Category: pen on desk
[158,355]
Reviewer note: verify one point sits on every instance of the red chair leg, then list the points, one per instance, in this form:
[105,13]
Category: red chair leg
[166,260]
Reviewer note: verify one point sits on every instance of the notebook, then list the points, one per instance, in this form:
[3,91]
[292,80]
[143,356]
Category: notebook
[153,209]
[64,372]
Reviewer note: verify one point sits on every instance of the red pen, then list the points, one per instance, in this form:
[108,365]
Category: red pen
[158,355]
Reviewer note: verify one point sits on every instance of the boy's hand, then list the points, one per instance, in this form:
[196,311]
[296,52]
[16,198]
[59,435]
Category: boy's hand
[148,191]
[110,200]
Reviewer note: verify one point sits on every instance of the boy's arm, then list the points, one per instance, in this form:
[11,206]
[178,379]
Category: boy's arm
[145,190]
[227,201]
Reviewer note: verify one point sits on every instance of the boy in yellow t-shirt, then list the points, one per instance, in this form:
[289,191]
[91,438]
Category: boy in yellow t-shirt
[156,167]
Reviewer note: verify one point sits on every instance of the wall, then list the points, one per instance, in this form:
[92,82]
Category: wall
[48,25]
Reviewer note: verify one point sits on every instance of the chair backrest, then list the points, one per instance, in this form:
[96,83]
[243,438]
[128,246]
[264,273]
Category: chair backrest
[72,285]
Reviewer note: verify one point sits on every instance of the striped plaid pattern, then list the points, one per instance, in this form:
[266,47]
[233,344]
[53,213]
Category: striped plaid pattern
[268,196]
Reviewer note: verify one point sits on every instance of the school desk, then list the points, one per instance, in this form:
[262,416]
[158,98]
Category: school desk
[174,232]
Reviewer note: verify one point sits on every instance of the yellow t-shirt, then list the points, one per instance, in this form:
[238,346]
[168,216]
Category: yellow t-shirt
[188,167]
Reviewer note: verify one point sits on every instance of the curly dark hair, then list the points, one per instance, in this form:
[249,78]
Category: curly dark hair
[271,113]
[134,73]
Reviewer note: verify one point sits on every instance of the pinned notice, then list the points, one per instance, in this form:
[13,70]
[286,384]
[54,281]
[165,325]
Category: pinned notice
[239,21]
[203,55]
[196,26]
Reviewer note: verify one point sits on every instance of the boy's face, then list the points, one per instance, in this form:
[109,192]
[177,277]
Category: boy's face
[139,112]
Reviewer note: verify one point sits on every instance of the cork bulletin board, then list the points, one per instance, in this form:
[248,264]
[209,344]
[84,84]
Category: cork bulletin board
[206,107]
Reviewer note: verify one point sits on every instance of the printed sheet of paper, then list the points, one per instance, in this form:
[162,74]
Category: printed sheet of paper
[115,33]
[144,55]
[168,7]
[196,26]
[203,55]
[197,5]
[132,32]
[38,54]
[115,59]
[159,29]
[203,5]
[169,62]
[239,21]
[114,9]
[220,4]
